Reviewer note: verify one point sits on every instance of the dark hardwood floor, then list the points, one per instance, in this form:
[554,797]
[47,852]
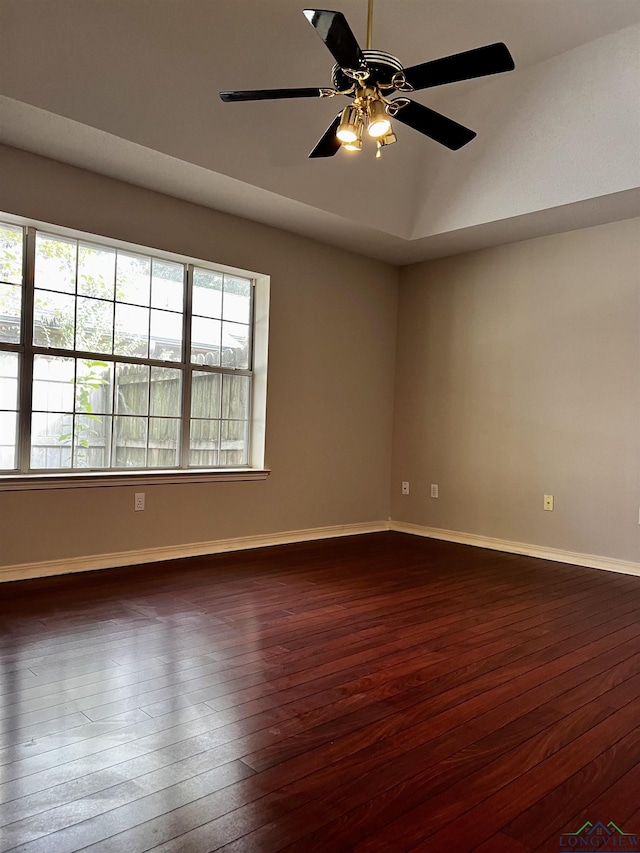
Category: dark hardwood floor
[372,693]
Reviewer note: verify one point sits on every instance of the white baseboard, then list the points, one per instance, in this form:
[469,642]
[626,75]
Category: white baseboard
[591,561]
[46,568]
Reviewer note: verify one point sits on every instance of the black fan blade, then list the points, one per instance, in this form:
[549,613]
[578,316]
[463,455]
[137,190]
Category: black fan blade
[335,32]
[328,144]
[479,62]
[269,94]
[434,125]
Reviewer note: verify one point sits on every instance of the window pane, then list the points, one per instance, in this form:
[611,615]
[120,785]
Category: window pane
[130,442]
[56,263]
[96,271]
[207,293]
[205,394]
[235,397]
[10,313]
[53,320]
[235,345]
[167,285]
[53,383]
[94,386]
[133,278]
[166,335]
[164,441]
[9,380]
[233,443]
[11,248]
[51,435]
[205,341]
[8,435]
[166,392]
[132,389]
[94,325]
[92,441]
[131,331]
[237,299]
[203,442]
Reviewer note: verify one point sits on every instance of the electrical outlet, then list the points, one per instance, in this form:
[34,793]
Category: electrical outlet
[434,490]
[138,502]
[405,487]
[548,502]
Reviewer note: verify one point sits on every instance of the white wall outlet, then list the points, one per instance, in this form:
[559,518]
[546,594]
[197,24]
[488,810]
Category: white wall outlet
[548,502]
[434,490]
[405,487]
[138,502]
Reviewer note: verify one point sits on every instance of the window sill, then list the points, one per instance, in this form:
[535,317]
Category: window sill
[22,482]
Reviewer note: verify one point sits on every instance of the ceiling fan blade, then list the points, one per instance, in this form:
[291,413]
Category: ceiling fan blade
[335,32]
[479,62]
[434,125]
[328,144]
[270,94]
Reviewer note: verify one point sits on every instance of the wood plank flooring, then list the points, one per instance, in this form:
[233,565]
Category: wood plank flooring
[372,693]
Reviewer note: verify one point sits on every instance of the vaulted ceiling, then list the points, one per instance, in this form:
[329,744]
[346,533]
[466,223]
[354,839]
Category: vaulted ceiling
[129,88]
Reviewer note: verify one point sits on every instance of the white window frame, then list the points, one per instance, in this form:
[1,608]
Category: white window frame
[255,470]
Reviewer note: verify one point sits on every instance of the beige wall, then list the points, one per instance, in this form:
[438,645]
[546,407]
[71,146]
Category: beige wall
[518,375]
[330,384]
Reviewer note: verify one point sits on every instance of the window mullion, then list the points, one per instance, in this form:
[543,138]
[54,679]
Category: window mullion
[75,360]
[187,373]
[249,414]
[26,364]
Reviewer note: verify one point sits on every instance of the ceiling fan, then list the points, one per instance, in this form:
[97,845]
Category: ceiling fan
[369,77]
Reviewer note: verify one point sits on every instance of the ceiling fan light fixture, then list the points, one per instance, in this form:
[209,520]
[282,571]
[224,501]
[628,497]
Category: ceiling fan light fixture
[351,125]
[379,124]
[370,77]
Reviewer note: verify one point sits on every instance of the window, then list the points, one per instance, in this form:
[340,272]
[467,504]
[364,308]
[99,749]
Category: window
[116,358]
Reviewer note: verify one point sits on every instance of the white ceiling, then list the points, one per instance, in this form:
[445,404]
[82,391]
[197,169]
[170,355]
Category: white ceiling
[128,88]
